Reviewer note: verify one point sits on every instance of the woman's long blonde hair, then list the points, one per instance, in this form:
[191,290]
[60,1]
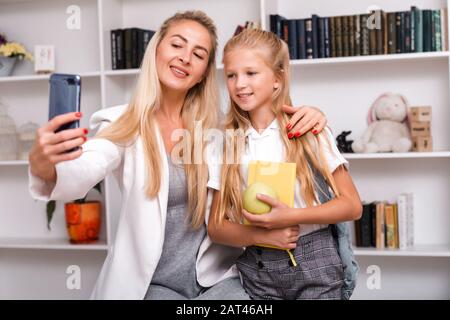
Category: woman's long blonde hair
[305,151]
[201,104]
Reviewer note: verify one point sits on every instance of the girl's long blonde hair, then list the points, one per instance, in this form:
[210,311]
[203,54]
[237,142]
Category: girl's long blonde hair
[305,151]
[201,104]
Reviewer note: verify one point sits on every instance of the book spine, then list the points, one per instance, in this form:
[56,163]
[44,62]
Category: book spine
[333,36]
[351,36]
[419,30]
[327,36]
[410,206]
[301,38]
[120,40]
[413,30]
[113,50]
[345,36]
[438,35]
[392,33]
[444,29]
[357,23]
[433,31]
[292,39]
[338,36]
[426,30]
[309,39]
[379,33]
[380,238]
[315,35]
[407,31]
[365,37]
[366,228]
[321,32]
[402,221]
[398,28]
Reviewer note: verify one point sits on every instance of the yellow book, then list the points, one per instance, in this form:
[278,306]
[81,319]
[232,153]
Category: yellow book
[281,177]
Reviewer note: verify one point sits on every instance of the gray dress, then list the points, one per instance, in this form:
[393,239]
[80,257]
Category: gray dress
[175,275]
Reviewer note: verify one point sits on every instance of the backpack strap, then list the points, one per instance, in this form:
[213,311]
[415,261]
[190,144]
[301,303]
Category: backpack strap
[341,234]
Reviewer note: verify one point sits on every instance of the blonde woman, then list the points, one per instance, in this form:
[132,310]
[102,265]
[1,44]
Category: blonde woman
[161,250]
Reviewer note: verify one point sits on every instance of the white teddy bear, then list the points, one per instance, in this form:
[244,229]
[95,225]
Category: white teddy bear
[388,126]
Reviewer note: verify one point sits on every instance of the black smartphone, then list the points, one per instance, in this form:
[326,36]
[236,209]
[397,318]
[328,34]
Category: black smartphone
[65,96]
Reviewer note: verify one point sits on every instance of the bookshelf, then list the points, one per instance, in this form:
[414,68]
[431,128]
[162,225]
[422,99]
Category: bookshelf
[32,258]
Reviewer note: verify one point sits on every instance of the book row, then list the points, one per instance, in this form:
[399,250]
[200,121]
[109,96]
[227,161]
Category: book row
[128,47]
[376,33]
[386,225]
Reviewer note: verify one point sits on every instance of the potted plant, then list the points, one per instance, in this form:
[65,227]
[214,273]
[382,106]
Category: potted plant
[9,53]
[83,218]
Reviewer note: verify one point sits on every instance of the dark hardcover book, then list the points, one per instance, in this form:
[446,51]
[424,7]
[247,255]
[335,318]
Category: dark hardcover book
[358,233]
[338,36]
[333,36]
[321,25]
[134,48]
[372,37]
[373,225]
[276,24]
[285,31]
[315,35]
[351,36]
[413,30]
[143,38]
[392,33]
[128,44]
[433,31]
[327,32]
[400,32]
[379,32]
[301,38]
[426,30]
[357,24]
[437,29]
[113,50]
[385,33]
[365,35]
[345,36]
[120,49]
[418,29]
[366,226]
[309,39]
[292,39]
[407,31]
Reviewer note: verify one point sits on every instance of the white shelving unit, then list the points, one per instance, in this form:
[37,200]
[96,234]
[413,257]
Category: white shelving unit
[32,257]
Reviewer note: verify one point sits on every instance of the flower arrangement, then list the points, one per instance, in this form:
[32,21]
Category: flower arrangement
[13,49]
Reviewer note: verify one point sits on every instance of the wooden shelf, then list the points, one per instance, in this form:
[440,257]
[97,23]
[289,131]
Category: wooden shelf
[374,58]
[416,251]
[49,243]
[360,156]
[39,77]
[14,163]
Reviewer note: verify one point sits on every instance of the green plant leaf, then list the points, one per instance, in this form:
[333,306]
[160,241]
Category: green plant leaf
[51,205]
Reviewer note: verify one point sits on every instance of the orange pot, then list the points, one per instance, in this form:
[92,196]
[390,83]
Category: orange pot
[83,221]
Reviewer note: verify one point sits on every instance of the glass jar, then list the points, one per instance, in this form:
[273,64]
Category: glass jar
[27,135]
[8,136]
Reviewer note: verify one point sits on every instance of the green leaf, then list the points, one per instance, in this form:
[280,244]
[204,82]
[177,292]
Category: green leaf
[51,205]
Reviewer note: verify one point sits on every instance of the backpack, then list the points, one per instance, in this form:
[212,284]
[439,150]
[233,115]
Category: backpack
[341,234]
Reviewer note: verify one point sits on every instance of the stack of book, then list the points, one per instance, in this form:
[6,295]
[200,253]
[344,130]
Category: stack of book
[128,47]
[247,25]
[420,123]
[385,225]
[376,33]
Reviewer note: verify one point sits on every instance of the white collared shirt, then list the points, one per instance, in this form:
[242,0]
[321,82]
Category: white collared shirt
[268,146]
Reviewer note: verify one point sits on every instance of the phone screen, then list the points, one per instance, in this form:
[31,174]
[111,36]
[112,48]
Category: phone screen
[65,92]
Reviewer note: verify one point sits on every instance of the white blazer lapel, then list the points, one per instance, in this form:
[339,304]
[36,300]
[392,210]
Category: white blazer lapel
[164,189]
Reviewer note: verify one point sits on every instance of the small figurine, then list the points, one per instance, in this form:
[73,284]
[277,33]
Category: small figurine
[343,145]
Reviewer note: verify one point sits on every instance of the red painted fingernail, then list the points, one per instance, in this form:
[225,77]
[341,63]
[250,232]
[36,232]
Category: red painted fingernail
[297,134]
[85,131]
[84,138]
[288,126]
[315,132]
[290,135]
[78,114]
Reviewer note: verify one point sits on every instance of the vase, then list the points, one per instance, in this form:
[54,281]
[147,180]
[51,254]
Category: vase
[83,221]
[7,65]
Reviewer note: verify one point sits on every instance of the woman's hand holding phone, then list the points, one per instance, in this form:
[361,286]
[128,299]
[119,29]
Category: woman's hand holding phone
[51,148]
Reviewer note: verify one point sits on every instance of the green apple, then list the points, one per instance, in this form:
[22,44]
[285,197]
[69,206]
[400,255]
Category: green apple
[252,204]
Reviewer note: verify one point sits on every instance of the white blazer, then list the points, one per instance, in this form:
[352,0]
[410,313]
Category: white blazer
[128,269]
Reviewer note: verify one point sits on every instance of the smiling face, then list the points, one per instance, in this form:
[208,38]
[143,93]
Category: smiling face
[182,56]
[250,81]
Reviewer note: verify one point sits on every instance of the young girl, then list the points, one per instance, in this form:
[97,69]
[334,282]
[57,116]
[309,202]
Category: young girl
[256,65]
